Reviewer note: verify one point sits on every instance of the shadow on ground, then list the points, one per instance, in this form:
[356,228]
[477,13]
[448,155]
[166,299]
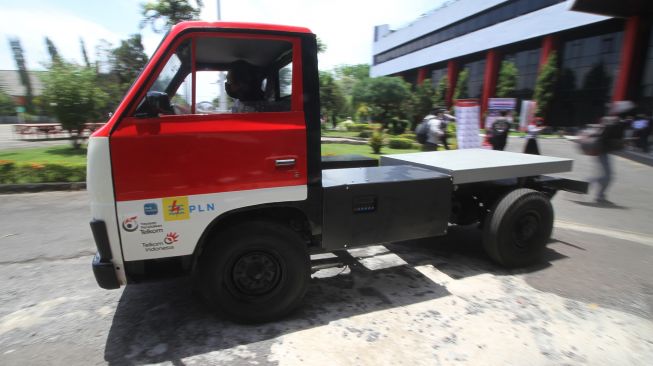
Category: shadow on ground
[608,205]
[162,322]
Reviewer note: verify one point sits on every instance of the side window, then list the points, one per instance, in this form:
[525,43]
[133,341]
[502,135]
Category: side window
[173,86]
[211,97]
[216,75]
[285,81]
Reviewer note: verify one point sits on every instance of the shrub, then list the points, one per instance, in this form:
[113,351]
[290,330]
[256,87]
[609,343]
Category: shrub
[377,141]
[6,171]
[398,126]
[11,173]
[400,143]
[359,127]
[344,126]
[409,136]
[365,134]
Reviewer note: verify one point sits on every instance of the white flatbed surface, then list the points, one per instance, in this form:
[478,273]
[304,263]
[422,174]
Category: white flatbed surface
[480,165]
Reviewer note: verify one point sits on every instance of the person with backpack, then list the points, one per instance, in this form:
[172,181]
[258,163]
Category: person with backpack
[610,139]
[498,132]
[444,125]
[428,132]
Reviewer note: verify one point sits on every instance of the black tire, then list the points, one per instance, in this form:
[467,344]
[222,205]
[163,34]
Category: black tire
[255,272]
[518,227]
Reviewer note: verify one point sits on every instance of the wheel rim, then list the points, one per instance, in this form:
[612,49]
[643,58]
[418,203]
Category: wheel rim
[256,273]
[526,229]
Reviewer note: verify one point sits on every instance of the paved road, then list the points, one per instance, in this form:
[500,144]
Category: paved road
[427,302]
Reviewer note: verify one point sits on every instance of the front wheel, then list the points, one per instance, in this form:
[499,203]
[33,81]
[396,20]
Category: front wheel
[518,227]
[256,272]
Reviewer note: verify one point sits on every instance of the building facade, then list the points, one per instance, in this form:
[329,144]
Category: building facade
[600,58]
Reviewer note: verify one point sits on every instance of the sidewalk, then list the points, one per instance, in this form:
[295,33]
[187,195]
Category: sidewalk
[9,140]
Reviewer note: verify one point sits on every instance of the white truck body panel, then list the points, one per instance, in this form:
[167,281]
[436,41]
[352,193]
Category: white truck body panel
[481,165]
[172,226]
[99,183]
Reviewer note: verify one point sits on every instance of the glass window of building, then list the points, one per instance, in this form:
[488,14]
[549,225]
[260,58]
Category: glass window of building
[646,91]
[476,71]
[527,64]
[588,72]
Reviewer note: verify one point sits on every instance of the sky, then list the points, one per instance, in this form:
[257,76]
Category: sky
[346,26]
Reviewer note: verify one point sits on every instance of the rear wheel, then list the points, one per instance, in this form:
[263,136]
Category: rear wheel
[518,227]
[256,272]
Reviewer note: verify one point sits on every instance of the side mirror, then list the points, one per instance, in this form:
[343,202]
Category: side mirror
[155,104]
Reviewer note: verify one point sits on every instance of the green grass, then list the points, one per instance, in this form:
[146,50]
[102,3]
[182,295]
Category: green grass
[347,134]
[343,149]
[44,155]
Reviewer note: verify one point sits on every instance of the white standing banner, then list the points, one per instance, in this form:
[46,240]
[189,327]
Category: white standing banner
[468,124]
[527,114]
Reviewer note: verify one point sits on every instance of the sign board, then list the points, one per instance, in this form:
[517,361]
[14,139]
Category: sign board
[468,118]
[496,106]
[502,104]
[20,109]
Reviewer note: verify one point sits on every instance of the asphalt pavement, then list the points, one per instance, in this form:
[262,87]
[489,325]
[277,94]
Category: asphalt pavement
[427,302]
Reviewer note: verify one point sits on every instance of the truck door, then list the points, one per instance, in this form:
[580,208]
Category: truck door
[181,157]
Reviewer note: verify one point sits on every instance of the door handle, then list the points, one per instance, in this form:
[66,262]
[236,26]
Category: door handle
[284,162]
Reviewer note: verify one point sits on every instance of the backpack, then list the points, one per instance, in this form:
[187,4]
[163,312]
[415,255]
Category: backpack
[602,138]
[590,140]
[422,132]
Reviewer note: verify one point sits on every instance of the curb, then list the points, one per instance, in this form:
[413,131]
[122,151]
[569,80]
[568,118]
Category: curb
[42,187]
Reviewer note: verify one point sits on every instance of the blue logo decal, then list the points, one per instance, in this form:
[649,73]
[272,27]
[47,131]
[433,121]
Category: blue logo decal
[151,209]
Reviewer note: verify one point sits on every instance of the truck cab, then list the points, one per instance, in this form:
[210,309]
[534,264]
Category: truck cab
[237,195]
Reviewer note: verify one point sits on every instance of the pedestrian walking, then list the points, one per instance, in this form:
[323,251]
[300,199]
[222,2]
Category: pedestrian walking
[610,140]
[642,130]
[444,124]
[498,132]
[428,132]
[534,129]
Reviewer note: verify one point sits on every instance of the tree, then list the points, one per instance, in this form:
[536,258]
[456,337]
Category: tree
[544,85]
[461,86]
[128,60]
[422,100]
[169,13]
[348,76]
[82,46]
[386,96]
[7,106]
[332,101]
[357,72]
[19,57]
[74,96]
[440,95]
[321,46]
[52,51]
[507,83]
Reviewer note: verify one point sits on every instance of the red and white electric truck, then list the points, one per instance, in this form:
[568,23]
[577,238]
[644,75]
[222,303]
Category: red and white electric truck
[241,200]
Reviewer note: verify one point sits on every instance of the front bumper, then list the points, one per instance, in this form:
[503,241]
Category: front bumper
[104,273]
[103,270]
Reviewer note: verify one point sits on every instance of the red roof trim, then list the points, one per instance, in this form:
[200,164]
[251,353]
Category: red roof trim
[236,25]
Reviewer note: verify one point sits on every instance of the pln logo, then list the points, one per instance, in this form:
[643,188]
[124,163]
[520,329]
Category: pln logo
[175,208]
[171,238]
[130,224]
